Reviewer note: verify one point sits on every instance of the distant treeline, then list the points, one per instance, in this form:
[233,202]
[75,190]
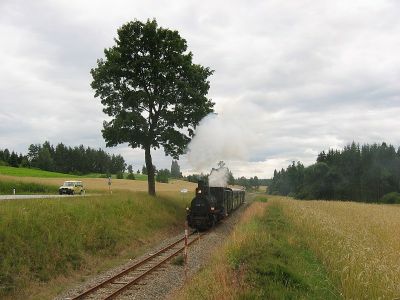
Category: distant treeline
[359,173]
[63,159]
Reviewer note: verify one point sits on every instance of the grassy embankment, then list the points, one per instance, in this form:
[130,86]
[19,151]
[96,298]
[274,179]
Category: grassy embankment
[283,253]
[44,238]
[262,259]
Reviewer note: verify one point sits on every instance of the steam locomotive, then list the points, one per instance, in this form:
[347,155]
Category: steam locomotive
[211,204]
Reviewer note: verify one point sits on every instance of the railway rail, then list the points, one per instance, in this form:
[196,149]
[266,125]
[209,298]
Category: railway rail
[117,284]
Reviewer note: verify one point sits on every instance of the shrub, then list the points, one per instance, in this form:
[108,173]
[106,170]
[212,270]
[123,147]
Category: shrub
[163,176]
[131,176]
[120,175]
[391,198]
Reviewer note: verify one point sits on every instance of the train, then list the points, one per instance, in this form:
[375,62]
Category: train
[212,204]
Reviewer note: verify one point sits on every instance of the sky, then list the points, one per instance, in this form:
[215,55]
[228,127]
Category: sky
[292,78]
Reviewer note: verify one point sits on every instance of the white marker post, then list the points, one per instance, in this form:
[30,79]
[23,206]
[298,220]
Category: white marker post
[183,192]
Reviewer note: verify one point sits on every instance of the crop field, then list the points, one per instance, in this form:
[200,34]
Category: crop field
[291,249]
[359,244]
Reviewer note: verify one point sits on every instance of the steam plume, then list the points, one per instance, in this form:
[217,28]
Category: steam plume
[219,137]
[218,177]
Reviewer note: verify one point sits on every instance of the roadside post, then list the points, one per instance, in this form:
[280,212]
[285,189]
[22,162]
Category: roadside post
[186,247]
[109,185]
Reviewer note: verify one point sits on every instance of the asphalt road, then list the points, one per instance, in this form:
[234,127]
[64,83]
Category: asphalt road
[15,197]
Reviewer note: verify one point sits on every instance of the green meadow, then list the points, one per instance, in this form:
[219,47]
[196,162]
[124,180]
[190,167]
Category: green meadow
[30,172]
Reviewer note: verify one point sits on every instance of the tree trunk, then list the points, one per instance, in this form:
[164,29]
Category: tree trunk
[150,172]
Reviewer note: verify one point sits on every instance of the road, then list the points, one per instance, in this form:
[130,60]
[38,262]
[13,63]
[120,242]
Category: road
[15,197]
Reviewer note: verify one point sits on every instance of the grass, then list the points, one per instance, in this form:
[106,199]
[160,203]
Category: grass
[262,259]
[48,237]
[358,243]
[27,172]
[30,172]
[6,188]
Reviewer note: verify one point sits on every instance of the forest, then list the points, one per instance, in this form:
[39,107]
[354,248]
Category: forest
[367,173]
[77,160]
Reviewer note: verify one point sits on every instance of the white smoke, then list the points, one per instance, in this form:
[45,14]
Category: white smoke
[218,177]
[219,137]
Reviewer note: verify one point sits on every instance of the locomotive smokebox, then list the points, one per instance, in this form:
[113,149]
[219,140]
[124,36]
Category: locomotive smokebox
[202,188]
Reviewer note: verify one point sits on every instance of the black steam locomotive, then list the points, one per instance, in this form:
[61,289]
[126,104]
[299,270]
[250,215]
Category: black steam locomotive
[212,204]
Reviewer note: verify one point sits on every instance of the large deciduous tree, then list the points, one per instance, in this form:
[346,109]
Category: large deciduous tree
[152,91]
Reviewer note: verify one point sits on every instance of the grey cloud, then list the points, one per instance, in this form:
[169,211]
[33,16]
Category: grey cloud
[302,76]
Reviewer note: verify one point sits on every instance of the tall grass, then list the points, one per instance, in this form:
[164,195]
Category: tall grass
[359,244]
[6,188]
[262,259]
[49,237]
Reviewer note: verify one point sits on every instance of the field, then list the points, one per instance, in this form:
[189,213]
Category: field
[290,249]
[28,172]
[359,244]
[101,184]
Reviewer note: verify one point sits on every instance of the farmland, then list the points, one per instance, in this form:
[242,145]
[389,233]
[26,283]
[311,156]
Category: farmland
[31,172]
[359,244]
[49,181]
[306,250]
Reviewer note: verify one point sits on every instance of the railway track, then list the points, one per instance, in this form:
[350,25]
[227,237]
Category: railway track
[119,283]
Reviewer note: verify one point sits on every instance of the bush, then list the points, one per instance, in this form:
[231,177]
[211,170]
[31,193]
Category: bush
[163,176]
[131,176]
[391,198]
[120,175]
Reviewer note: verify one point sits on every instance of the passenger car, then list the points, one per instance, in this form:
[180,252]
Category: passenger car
[71,187]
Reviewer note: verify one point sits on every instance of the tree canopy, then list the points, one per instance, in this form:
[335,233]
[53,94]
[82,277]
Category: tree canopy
[61,158]
[359,173]
[152,91]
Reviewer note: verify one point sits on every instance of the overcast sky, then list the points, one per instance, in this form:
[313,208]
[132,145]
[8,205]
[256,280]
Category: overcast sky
[292,78]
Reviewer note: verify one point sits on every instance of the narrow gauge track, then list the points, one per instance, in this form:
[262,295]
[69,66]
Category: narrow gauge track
[112,287]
